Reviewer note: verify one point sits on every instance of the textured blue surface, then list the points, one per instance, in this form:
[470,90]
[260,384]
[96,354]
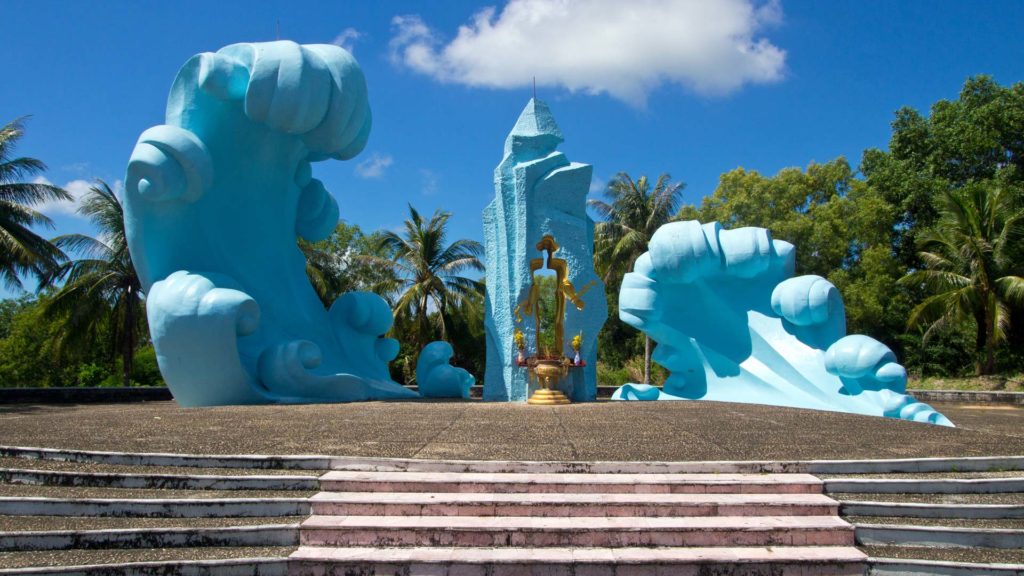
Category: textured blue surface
[214,201]
[538,192]
[732,324]
[436,378]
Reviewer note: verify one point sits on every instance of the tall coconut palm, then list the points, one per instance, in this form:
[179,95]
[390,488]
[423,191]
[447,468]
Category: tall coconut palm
[101,286]
[22,251]
[430,272]
[630,216]
[970,266]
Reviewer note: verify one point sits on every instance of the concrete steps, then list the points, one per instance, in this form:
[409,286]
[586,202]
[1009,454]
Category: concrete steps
[824,560]
[344,481]
[521,523]
[900,517]
[386,531]
[566,504]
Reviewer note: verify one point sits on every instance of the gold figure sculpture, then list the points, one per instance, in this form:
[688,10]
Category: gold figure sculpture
[551,367]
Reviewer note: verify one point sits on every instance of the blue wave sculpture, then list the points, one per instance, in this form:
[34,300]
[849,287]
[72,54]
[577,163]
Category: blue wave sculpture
[733,325]
[214,201]
[436,378]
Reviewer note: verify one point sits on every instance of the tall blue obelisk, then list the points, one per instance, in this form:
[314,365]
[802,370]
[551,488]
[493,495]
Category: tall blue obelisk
[538,192]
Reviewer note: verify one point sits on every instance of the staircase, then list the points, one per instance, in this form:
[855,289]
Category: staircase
[444,523]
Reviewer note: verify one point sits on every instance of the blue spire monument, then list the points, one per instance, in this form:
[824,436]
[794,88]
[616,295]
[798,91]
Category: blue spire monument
[538,219]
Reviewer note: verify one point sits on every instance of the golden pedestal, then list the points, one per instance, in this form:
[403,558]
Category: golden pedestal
[548,372]
[548,397]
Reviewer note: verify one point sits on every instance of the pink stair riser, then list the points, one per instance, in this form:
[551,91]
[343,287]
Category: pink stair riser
[570,488]
[565,510]
[440,561]
[309,568]
[576,532]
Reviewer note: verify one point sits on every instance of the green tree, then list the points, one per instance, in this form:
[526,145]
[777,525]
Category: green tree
[975,140]
[22,251]
[430,274]
[969,266]
[100,288]
[841,228]
[630,214]
[336,265]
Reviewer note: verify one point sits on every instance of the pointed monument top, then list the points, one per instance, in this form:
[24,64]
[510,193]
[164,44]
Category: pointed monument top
[535,132]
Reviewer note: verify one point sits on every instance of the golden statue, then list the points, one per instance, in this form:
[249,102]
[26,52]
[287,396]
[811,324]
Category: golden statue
[550,369]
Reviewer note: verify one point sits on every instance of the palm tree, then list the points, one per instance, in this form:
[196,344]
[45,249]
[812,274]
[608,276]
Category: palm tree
[970,268]
[337,264]
[22,251]
[630,217]
[430,272]
[101,286]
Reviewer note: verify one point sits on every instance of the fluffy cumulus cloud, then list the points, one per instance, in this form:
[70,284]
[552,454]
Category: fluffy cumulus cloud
[374,166]
[622,48]
[347,38]
[76,188]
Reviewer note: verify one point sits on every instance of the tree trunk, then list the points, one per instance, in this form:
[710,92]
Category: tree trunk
[990,337]
[647,359]
[128,349]
[980,341]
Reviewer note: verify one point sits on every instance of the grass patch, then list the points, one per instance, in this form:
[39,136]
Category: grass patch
[1013,383]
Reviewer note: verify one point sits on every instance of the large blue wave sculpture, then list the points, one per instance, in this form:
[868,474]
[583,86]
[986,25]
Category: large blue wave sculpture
[732,324]
[214,201]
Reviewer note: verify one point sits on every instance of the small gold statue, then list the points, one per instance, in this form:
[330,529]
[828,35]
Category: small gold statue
[550,368]
[564,290]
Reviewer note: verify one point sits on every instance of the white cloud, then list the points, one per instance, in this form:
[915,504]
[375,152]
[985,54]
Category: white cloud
[597,185]
[374,166]
[76,188]
[430,181]
[622,48]
[347,38]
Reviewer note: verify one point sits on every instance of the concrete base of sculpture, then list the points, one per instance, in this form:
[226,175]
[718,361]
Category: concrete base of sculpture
[732,324]
[214,200]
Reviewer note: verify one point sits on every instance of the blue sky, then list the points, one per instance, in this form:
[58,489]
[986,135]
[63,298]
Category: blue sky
[687,87]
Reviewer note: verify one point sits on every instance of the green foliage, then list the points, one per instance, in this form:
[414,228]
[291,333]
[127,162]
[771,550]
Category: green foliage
[631,372]
[547,347]
[22,251]
[336,265]
[430,282]
[29,355]
[630,214]
[840,226]
[969,269]
[101,290]
[422,278]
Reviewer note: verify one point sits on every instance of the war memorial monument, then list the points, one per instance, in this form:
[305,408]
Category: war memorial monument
[746,461]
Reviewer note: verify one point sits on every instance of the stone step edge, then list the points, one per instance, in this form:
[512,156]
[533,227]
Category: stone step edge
[925,485]
[154,507]
[321,462]
[259,535]
[252,461]
[578,555]
[567,498]
[926,510]
[938,536]
[157,481]
[587,524]
[263,566]
[882,566]
[548,478]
